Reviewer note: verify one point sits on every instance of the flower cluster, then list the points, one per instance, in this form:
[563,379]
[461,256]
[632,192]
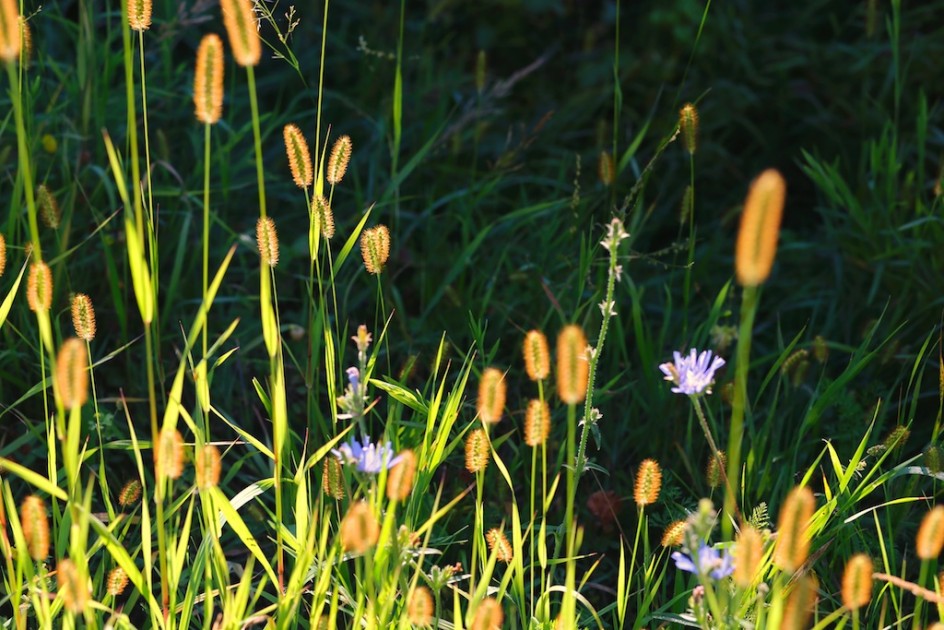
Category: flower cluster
[693,374]
[706,561]
[368,457]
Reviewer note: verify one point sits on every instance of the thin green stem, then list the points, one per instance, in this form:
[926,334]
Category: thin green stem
[24,159]
[257,139]
[748,310]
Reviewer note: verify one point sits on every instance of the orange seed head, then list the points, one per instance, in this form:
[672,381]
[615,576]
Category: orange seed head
[35,526]
[208,80]
[857,582]
[83,316]
[760,228]
[359,528]
[400,478]
[268,241]
[537,356]
[241,29]
[39,287]
[648,483]
[476,451]
[139,14]
[375,248]
[930,536]
[573,367]
[322,209]
[299,156]
[793,539]
[72,373]
[10,43]
[491,400]
[338,160]
[537,423]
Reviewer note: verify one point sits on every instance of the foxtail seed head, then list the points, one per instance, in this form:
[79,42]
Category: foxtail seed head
[537,423]
[10,41]
[338,160]
[760,228]
[130,493]
[499,545]
[169,456]
[332,478]
[3,254]
[268,241]
[35,527]
[714,473]
[39,287]
[648,483]
[400,477]
[241,29]
[688,126]
[606,169]
[359,528]
[208,464]
[299,156]
[800,603]
[48,207]
[83,316]
[476,451]
[793,539]
[375,248]
[857,582]
[488,615]
[139,14]
[748,552]
[72,373]
[322,208]
[537,356]
[73,587]
[491,401]
[930,536]
[117,581]
[573,366]
[208,80]
[26,41]
[674,534]
[419,607]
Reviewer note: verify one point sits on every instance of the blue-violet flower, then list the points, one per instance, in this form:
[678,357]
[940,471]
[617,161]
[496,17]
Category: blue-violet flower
[709,561]
[368,457]
[694,374]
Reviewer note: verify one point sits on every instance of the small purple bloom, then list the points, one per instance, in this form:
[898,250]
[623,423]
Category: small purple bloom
[353,377]
[710,562]
[694,374]
[368,457]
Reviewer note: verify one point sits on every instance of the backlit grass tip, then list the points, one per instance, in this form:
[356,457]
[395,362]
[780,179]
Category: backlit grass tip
[83,317]
[648,483]
[375,248]
[476,451]
[267,240]
[688,127]
[400,477]
[139,14]
[499,545]
[299,155]
[488,615]
[359,528]
[930,538]
[72,373]
[208,464]
[537,355]
[491,400]
[338,160]
[793,539]
[39,287]
[240,26]
[35,525]
[10,41]
[857,582]
[169,454]
[208,80]
[748,554]
[537,423]
[573,366]
[760,228]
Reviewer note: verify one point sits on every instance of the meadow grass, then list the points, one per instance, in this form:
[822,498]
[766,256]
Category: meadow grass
[324,317]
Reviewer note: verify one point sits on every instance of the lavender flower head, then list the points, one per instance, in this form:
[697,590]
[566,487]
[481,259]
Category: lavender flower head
[708,561]
[694,374]
[368,457]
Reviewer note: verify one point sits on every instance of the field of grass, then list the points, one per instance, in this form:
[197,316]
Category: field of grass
[535,314]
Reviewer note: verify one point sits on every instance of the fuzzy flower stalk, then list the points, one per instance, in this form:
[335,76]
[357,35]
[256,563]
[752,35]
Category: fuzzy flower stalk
[615,234]
[694,375]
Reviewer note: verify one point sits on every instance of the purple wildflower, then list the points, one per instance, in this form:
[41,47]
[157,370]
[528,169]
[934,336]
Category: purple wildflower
[694,374]
[368,457]
[709,561]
